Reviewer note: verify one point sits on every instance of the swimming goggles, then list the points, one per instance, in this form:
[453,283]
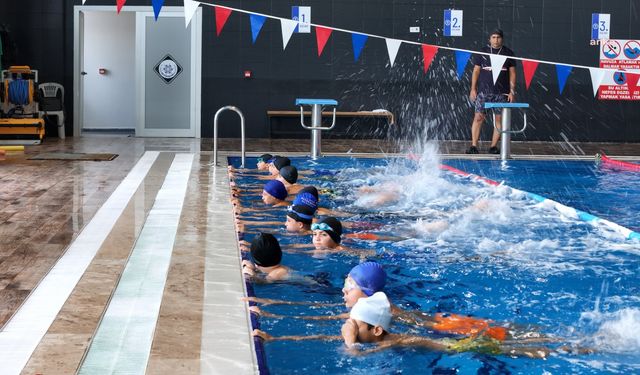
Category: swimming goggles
[321,226]
[349,284]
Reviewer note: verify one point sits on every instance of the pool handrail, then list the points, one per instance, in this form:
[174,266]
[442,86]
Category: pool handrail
[215,132]
[505,130]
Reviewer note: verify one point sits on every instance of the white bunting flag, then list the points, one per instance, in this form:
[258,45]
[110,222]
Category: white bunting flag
[190,8]
[497,62]
[287,30]
[393,45]
[596,78]
[84,1]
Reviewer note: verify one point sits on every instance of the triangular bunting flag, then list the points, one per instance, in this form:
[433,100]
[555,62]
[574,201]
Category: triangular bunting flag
[222,14]
[497,62]
[563,72]
[190,8]
[288,26]
[157,6]
[428,52]
[632,80]
[84,1]
[462,58]
[322,35]
[119,5]
[597,75]
[257,22]
[529,68]
[393,45]
[358,41]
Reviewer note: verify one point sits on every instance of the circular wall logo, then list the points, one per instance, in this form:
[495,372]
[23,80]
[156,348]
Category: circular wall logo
[168,69]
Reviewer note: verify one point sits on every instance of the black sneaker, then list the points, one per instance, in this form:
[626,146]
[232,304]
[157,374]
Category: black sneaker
[472,150]
[494,150]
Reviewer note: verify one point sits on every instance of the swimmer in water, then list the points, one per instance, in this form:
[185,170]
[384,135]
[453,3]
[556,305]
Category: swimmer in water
[369,322]
[267,255]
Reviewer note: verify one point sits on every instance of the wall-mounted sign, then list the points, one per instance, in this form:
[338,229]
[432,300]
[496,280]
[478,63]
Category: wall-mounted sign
[600,26]
[303,16]
[620,54]
[168,69]
[452,22]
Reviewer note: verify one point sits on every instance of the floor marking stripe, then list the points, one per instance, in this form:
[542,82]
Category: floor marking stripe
[123,340]
[23,332]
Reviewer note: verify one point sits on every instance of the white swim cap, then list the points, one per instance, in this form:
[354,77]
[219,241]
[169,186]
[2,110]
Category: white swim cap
[374,310]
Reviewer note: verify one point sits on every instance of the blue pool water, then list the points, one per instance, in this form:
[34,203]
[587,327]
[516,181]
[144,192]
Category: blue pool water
[508,258]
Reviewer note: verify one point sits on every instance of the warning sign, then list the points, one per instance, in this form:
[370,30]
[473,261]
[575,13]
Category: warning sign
[624,55]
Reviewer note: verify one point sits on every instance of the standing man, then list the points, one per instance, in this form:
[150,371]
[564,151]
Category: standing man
[483,90]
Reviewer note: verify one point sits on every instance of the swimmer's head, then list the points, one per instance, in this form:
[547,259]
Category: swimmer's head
[375,313]
[299,218]
[307,198]
[263,162]
[327,233]
[370,277]
[273,192]
[289,173]
[277,163]
[265,250]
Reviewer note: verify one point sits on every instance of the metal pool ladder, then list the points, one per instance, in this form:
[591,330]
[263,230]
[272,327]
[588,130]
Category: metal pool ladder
[316,122]
[215,132]
[505,131]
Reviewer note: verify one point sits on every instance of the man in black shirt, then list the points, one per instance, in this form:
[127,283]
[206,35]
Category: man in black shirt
[483,90]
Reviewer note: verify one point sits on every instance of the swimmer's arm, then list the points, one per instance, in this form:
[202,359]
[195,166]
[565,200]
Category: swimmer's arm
[266,314]
[267,337]
[329,212]
[269,301]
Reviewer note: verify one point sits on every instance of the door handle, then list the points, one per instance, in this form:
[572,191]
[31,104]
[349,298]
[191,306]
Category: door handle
[83,73]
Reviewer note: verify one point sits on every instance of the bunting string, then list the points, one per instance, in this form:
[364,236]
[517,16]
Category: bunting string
[408,41]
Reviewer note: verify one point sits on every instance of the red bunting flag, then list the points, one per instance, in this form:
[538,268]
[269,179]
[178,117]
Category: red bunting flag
[529,68]
[632,81]
[222,14]
[322,36]
[119,5]
[428,53]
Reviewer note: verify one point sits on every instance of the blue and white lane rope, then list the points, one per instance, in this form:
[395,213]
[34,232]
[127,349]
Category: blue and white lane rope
[563,209]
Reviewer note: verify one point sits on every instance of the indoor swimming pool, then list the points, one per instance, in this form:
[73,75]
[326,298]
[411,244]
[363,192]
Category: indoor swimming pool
[452,244]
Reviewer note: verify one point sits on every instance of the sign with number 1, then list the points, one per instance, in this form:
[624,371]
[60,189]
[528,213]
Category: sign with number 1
[452,22]
[303,16]
[600,25]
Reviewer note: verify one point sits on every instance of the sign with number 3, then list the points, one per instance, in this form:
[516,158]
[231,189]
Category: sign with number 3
[600,25]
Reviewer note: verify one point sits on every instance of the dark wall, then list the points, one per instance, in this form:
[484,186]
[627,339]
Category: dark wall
[435,102]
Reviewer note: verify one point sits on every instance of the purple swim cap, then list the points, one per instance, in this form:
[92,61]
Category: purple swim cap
[306,199]
[370,277]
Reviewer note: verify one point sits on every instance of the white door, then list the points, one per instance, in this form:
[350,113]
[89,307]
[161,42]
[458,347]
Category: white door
[168,73]
[131,72]
[108,74]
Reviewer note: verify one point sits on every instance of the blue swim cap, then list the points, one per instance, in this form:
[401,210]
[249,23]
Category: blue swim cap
[306,199]
[276,189]
[370,277]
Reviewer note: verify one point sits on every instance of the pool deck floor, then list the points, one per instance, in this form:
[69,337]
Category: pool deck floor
[133,264]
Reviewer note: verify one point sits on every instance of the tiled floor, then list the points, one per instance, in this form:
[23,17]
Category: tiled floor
[45,204]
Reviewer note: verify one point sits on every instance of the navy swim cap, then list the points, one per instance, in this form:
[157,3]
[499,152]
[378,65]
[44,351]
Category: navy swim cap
[276,189]
[265,250]
[311,190]
[301,213]
[289,173]
[370,277]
